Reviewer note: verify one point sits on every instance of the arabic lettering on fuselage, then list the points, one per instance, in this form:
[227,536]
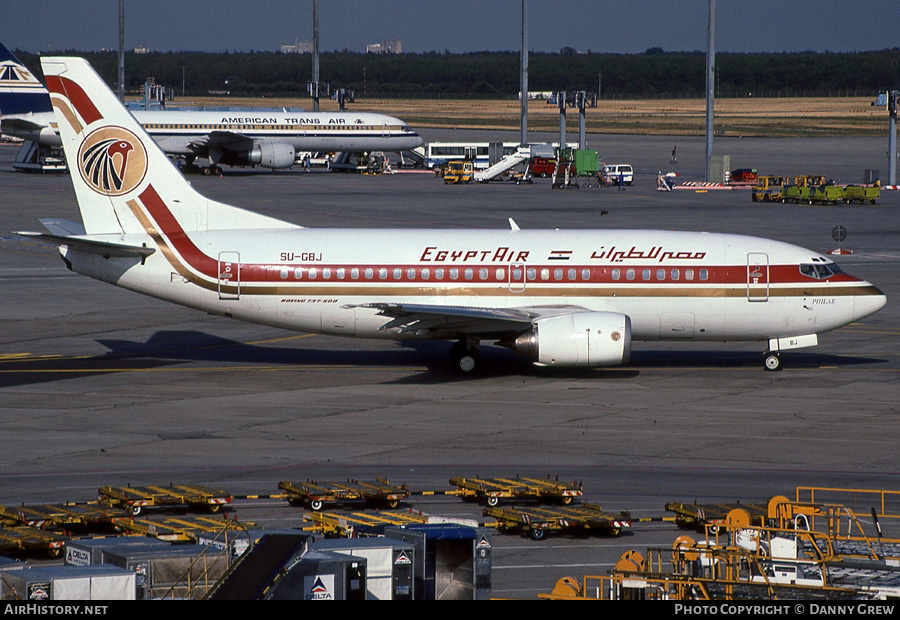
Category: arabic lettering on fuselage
[655,253]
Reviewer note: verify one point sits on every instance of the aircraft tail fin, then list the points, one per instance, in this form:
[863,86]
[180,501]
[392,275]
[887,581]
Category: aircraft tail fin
[123,182]
[20,91]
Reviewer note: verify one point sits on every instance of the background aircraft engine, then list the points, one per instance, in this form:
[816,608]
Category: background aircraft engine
[578,339]
[272,154]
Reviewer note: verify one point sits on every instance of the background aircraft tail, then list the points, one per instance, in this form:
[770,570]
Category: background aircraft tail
[123,182]
[20,91]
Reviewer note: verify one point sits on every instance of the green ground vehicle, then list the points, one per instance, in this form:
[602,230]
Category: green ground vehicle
[825,194]
[861,194]
[795,194]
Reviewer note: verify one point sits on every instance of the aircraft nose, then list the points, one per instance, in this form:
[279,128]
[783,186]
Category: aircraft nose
[864,305]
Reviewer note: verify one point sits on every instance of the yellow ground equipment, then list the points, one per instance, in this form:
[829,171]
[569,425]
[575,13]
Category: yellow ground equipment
[536,521]
[459,172]
[314,494]
[139,498]
[63,517]
[769,189]
[15,539]
[718,515]
[179,529]
[492,490]
[351,524]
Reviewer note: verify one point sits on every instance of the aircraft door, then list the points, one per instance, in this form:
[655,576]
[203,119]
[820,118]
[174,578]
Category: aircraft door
[229,275]
[757,276]
[517,274]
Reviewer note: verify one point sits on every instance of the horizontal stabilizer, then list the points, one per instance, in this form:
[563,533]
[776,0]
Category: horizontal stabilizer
[64,228]
[106,249]
[19,124]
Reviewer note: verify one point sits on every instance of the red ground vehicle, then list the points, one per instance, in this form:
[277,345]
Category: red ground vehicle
[744,175]
[542,166]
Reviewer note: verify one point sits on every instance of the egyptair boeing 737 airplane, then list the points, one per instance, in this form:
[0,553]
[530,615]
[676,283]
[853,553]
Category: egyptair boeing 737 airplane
[562,298]
[271,139]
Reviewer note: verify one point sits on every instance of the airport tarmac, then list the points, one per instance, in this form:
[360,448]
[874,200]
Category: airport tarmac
[100,386]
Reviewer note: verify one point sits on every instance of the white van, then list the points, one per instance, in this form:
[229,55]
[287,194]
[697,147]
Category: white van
[612,172]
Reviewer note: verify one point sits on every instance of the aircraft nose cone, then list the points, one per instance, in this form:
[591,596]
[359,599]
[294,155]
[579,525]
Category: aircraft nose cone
[864,305]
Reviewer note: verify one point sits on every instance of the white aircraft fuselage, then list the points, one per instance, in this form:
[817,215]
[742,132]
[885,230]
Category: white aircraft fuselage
[671,285]
[560,297]
[248,137]
[188,133]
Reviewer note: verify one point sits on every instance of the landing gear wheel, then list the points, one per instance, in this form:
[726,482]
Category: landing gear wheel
[206,170]
[464,357]
[467,363]
[772,361]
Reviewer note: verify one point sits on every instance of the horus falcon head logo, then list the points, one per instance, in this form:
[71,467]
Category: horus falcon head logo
[112,161]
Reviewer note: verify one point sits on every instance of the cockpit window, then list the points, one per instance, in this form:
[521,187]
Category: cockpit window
[819,272]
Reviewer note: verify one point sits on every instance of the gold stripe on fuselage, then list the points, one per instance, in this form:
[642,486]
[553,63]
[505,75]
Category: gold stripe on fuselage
[494,289]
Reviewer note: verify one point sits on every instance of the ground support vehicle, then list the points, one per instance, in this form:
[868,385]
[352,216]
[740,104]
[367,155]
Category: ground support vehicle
[63,516]
[825,195]
[587,163]
[769,189]
[861,194]
[34,157]
[715,515]
[179,529]
[614,172]
[458,172]
[537,521]
[702,571]
[542,167]
[315,494]
[744,176]
[138,498]
[512,167]
[16,539]
[491,490]
[351,524]
[796,194]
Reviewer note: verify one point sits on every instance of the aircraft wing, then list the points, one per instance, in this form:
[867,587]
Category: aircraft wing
[463,320]
[224,141]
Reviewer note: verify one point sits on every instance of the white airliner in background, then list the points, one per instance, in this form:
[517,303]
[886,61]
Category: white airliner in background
[562,298]
[270,138]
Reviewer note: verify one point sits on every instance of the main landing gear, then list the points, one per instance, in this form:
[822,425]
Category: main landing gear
[211,169]
[189,167]
[772,360]
[465,356]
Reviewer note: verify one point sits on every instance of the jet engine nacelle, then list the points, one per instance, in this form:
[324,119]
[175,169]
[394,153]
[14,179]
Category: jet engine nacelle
[578,339]
[272,154]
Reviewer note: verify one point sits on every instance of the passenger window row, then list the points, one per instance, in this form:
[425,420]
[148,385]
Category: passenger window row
[484,274]
[661,275]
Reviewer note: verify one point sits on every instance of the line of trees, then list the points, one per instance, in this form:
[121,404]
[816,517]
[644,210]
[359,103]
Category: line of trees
[653,74]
